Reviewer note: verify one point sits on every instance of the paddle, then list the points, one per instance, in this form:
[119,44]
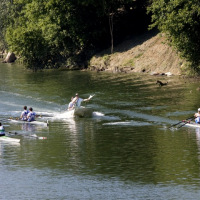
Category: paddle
[40,116]
[181,121]
[29,136]
[3,120]
[185,123]
[37,137]
[90,96]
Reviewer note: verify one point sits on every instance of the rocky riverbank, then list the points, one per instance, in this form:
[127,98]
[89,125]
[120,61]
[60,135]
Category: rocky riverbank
[148,53]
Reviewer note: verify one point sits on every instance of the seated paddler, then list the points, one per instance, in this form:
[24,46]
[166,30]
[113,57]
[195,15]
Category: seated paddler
[197,116]
[77,100]
[31,115]
[24,114]
[2,130]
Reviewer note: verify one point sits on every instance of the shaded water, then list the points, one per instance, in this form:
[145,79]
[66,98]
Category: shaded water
[125,151]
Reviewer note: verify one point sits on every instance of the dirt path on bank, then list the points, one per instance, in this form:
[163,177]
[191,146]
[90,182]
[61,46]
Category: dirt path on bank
[148,53]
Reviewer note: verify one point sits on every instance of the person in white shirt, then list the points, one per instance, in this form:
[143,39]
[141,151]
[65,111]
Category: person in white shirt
[24,114]
[77,100]
[197,116]
[2,130]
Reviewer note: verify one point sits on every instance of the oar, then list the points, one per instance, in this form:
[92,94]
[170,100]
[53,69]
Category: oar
[185,123]
[181,121]
[37,137]
[14,118]
[31,136]
[90,96]
[12,133]
[40,116]
[3,120]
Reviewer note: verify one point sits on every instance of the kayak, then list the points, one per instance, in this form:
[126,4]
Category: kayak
[32,122]
[192,124]
[9,139]
[83,112]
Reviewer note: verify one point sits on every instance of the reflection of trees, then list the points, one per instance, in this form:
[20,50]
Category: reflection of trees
[175,158]
[54,83]
[83,146]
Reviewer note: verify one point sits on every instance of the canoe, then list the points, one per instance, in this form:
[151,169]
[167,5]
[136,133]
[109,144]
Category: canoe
[9,139]
[32,122]
[83,111]
[192,124]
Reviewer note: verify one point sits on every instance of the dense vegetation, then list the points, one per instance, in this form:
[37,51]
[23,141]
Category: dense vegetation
[47,33]
[180,20]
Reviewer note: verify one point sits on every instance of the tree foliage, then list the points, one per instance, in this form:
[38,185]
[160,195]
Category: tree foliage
[180,19]
[48,32]
[5,18]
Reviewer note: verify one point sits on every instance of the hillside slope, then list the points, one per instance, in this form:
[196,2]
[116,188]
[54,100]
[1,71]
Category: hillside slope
[148,53]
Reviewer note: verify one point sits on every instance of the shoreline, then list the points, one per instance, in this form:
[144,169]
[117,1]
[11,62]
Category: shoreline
[148,53]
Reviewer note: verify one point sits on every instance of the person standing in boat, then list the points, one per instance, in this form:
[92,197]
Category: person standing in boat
[24,114]
[197,116]
[77,100]
[2,130]
[31,115]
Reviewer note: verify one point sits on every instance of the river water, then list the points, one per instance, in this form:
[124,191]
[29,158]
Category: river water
[125,151]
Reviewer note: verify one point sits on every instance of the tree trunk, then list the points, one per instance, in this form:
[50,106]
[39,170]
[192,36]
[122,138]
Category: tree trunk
[111,29]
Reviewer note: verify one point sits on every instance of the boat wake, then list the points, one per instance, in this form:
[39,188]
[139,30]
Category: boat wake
[95,115]
[128,123]
[64,115]
[99,115]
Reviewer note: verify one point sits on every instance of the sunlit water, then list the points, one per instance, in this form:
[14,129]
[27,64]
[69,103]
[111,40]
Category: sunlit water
[125,151]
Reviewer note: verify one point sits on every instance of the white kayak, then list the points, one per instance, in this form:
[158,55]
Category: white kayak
[192,124]
[83,111]
[32,122]
[9,139]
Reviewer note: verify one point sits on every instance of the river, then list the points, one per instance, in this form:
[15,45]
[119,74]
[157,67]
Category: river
[125,151]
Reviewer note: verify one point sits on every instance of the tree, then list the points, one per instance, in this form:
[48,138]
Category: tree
[46,33]
[180,20]
[5,17]
[35,34]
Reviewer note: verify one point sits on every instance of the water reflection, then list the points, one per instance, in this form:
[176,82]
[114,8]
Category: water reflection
[124,140]
[27,127]
[197,130]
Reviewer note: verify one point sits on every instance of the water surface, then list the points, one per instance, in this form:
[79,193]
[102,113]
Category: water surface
[125,151]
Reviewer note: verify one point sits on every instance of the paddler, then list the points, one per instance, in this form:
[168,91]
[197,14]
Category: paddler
[2,130]
[71,104]
[31,115]
[197,116]
[77,100]
[24,114]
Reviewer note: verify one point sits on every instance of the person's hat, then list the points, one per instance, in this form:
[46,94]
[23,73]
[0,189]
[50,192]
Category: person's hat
[76,94]
[198,109]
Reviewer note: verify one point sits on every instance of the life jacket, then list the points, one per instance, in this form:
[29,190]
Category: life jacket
[197,120]
[31,116]
[24,114]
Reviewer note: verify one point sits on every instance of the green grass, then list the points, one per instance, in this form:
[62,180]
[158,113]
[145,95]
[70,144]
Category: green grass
[129,63]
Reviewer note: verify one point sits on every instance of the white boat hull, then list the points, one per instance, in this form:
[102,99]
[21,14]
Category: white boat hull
[9,139]
[83,112]
[26,122]
[194,125]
